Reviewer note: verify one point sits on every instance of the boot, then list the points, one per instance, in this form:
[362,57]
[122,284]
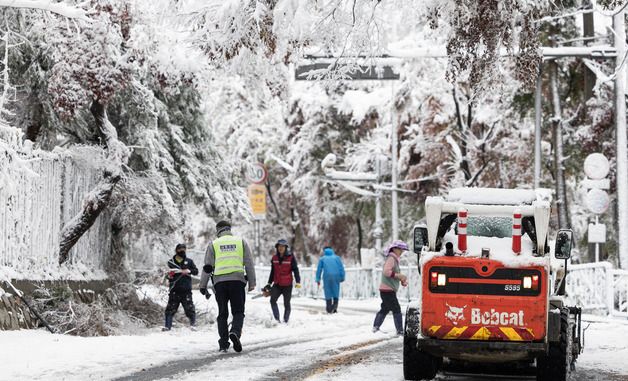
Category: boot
[334,305]
[235,339]
[398,323]
[328,306]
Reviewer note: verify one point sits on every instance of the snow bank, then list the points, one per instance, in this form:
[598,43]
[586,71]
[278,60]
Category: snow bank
[39,355]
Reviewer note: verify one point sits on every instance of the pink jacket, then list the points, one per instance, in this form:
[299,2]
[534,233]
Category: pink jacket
[392,262]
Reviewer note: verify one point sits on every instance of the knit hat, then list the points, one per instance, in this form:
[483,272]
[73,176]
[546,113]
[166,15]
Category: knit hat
[281,242]
[222,226]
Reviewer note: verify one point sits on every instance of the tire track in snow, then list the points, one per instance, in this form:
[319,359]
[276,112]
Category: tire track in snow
[173,368]
[335,359]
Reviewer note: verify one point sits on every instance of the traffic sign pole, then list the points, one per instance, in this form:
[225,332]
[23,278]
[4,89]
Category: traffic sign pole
[257,175]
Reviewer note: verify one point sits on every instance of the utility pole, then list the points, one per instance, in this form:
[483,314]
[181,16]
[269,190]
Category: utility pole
[393,123]
[538,98]
[588,33]
[622,142]
[377,232]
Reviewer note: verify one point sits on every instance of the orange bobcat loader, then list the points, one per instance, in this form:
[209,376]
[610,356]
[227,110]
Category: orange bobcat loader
[490,292]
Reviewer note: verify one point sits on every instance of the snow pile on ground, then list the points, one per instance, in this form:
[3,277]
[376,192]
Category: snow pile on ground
[38,355]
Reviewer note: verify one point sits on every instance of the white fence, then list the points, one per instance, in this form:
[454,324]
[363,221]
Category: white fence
[599,288]
[45,191]
[359,283]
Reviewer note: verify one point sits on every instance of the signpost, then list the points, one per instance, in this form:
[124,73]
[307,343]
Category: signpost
[596,168]
[257,175]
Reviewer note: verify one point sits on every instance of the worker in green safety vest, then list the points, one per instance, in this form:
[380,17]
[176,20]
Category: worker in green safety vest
[229,263]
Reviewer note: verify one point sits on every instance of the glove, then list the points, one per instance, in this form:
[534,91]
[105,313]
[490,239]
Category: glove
[298,285]
[204,292]
[171,274]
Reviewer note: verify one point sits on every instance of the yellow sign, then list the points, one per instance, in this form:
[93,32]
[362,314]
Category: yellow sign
[257,200]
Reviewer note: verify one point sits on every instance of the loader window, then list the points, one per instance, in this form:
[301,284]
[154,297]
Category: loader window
[487,226]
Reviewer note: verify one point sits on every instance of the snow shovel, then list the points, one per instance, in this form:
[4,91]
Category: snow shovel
[21,296]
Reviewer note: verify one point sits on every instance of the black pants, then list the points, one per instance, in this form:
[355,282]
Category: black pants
[180,297]
[275,293]
[389,303]
[230,292]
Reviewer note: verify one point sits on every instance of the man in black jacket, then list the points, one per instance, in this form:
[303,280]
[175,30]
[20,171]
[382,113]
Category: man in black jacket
[180,277]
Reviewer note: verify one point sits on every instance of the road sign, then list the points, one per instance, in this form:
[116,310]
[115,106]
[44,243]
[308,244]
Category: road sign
[597,201]
[596,184]
[257,173]
[257,200]
[597,233]
[596,166]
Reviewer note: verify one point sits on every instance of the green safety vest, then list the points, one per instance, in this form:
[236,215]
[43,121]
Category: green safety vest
[229,255]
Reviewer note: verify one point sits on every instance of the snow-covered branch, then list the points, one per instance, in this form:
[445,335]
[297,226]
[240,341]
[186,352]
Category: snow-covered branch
[62,9]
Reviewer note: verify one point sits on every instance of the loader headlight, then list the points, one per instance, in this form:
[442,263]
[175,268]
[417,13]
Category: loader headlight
[527,282]
[442,279]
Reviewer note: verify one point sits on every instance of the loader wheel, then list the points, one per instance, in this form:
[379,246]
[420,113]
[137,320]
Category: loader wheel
[417,365]
[556,364]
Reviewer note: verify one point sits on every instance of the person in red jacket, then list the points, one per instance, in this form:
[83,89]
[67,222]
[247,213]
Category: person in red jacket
[284,264]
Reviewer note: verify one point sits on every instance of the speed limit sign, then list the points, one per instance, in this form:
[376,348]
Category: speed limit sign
[257,173]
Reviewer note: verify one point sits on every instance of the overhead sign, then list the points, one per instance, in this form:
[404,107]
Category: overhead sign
[257,200]
[361,72]
[257,173]
[596,166]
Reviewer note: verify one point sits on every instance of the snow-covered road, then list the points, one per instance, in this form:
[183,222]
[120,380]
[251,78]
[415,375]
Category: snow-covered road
[314,346]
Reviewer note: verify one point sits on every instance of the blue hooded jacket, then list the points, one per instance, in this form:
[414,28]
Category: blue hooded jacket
[333,272]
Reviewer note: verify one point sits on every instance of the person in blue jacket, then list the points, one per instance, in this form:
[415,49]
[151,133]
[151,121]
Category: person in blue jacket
[333,271]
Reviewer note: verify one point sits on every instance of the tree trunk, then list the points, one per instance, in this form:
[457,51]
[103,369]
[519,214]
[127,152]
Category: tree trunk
[557,122]
[272,199]
[464,163]
[360,238]
[97,200]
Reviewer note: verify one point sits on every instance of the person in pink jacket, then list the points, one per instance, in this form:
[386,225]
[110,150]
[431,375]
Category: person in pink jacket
[391,279]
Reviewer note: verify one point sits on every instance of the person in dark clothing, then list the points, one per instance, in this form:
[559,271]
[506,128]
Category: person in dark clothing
[180,277]
[283,265]
[229,264]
